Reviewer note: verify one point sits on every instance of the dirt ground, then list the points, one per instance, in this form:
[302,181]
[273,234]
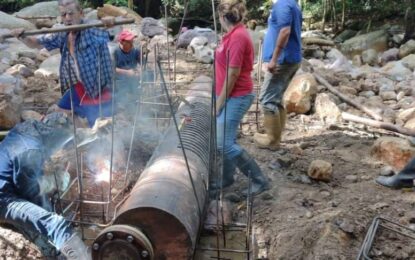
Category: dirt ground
[298,218]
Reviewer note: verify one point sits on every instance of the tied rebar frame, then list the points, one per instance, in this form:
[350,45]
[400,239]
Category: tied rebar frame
[380,223]
[110,202]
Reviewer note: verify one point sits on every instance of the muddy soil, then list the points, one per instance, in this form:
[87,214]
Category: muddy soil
[298,218]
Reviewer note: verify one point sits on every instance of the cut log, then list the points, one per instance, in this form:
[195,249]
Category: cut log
[317,41]
[378,124]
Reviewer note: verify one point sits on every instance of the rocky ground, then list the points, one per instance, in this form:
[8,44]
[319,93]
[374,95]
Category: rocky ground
[322,213]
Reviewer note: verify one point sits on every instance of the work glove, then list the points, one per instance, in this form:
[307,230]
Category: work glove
[101,128]
[48,183]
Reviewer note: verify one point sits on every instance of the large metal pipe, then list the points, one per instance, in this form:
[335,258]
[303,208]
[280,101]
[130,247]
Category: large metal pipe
[161,217]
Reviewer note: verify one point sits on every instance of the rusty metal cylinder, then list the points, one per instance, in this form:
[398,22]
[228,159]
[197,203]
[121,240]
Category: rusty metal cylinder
[162,206]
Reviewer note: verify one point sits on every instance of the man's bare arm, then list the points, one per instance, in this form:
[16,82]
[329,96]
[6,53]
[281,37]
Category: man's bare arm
[29,41]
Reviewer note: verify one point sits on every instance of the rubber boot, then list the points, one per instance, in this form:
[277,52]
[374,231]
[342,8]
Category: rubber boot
[227,177]
[394,182]
[273,129]
[250,168]
[75,249]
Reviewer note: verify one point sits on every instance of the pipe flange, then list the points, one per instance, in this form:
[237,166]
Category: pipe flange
[122,242]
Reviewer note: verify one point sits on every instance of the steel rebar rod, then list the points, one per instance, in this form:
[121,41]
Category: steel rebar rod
[136,113]
[112,142]
[66,28]
[79,173]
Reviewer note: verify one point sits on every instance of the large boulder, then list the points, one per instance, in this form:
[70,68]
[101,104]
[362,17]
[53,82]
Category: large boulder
[132,14]
[377,40]
[300,93]
[201,50]
[393,151]
[396,70]
[338,62]
[49,68]
[110,10]
[409,61]
[10,101]
[370,57]
[389,55]
[93,15]
[345,35]
[159,40]
[327,109]
[406,114]
[10,22]
[410,124]
[186,37]
[13,51]
[49,8]
[151,27]
[406,49]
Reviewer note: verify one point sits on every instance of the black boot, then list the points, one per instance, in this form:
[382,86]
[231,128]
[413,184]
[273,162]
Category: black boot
[227,177]
[250,168]
[394,182]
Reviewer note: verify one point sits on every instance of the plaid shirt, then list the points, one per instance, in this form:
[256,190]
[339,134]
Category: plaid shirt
[90,50]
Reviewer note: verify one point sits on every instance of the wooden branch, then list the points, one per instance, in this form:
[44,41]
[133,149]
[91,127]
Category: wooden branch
[343,97]
[378,124]
[317,41]
[66,28]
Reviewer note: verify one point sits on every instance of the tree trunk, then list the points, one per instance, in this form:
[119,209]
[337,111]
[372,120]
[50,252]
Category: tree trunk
[324,14]
[343,14]
[334,15]
[131,4]
[409,25]
[147,5]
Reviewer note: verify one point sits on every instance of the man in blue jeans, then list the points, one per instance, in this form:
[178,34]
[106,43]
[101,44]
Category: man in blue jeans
[404,179]
[282,58]
[24,186]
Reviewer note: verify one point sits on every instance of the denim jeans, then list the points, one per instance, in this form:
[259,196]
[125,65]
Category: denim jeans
[227,128]
[36,223]
[274,86]
[21,205]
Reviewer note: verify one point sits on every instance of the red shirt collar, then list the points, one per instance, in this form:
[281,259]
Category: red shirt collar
[228,34]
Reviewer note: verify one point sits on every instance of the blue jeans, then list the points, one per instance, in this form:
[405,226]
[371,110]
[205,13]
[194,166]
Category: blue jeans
[90,112]
[235,107]
[21,205]
[274,86]
[36,223]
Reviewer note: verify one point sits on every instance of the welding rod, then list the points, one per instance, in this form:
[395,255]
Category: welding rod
[67,28]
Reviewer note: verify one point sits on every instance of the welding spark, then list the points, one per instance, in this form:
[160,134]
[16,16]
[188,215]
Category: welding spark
[103,171]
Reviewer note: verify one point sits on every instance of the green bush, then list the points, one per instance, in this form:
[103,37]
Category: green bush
[117,2]
[201,9]
[11,6]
